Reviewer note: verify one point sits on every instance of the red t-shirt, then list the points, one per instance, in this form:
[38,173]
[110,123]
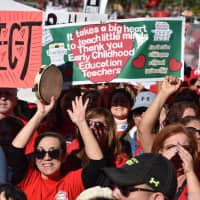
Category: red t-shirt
[66,188]
[120,160]
[184,194]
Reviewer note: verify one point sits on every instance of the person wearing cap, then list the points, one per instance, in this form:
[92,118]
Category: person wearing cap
[8,101]
[149,176]
[131,141]
[11,121]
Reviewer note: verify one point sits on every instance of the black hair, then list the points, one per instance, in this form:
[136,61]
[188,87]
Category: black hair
[54,135]
[186,94]
[10,127]
[124,92]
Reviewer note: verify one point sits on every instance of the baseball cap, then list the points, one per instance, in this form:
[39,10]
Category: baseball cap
[149,168]
[144,99]
[9,91]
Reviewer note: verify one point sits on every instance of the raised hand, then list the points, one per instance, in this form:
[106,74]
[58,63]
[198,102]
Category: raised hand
[170,84]
[77,114]
[187,160]
[43,109]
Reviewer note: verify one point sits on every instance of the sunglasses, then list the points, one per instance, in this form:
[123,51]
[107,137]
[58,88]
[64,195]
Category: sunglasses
[96,124]
[126,190]
[194,130]
[52,153]
[139,111]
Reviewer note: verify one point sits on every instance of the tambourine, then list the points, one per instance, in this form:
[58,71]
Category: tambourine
[48,83]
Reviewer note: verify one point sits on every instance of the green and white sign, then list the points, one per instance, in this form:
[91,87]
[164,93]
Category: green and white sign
[141,49]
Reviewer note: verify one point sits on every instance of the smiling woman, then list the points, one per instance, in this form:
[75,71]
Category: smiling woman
[49,177]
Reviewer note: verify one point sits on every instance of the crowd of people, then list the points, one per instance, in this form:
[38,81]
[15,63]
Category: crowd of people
[108,141]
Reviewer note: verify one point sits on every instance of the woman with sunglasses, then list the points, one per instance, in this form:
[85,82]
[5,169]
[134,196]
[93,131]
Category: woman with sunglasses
[102,124]
[46,179]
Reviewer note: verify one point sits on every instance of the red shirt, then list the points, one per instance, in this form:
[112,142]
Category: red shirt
[37,188]
[184,194]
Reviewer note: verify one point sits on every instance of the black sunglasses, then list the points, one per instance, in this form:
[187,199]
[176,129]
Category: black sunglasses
[194,130]
[126,190]
[96,124]
[139,111]
[52,153]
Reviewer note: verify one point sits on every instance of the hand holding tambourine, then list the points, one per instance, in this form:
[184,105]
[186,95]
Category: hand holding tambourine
[48,83]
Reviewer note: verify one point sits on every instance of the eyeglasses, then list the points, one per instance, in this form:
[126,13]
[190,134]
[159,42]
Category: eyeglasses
[194,130]
[52,153]
[96,124]
[126,190]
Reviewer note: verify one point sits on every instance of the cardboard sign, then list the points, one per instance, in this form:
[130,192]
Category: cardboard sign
[95,6]
[61,16]
[20,47]
[130,50]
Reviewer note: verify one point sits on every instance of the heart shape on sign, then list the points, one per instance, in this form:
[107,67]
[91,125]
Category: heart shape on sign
[101,50]
[5,32]
[3,56]
[174,65]
[22,32]
[20,50]
[139,62]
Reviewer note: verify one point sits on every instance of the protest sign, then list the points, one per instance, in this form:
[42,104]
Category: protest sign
[61,16]
[20,47]
[91,6]
[142,49]
[95,6]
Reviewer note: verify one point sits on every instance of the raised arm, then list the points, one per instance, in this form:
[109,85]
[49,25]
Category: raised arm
[77,115]
[25,134]
[169,86]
